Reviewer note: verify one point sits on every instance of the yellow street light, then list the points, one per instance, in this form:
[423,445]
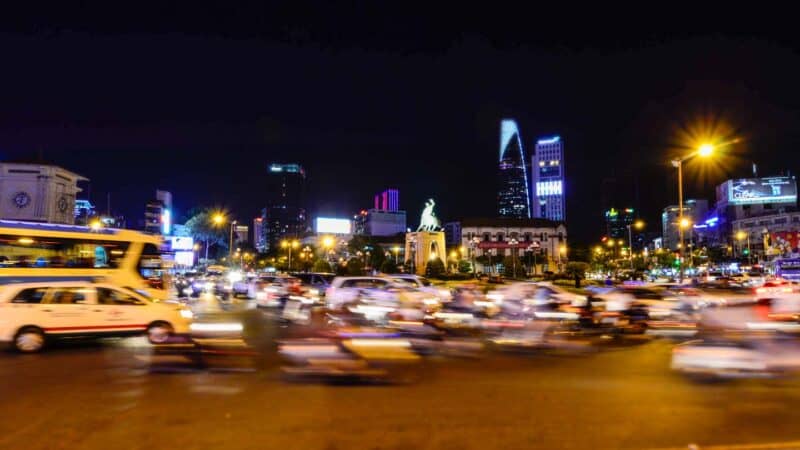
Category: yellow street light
[328,241]
[598,249]
[705,150]
[95,225]
[639,224]
[218,218]
[610,243]
[684,223]
[619,242]
[741,235]
[562,249]
[453,254]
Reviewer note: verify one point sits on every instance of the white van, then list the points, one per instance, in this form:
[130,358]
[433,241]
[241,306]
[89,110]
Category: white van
[32,312]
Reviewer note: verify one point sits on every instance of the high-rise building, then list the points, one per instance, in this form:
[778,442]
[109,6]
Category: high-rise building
[158,214]
[694,211]
[259,238]
[285,213]
[84,210]
[618,221]
[241,233]
[388,200]
[512,194]
[385,219]
[547,166]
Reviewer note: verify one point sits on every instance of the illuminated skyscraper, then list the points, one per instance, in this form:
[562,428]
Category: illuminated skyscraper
[547,165]
[512,195]
[285,214]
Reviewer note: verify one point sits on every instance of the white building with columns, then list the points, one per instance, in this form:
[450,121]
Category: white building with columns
[540,240]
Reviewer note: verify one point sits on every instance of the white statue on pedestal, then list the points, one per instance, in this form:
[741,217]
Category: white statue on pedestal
[428,220]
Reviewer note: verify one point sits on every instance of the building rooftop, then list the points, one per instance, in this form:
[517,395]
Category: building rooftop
[508,222]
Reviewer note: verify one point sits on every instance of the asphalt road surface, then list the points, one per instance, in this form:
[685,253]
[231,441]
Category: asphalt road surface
[106,396]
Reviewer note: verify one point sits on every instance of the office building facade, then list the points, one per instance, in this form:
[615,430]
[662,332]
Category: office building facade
[158,214]
[259,238]
[285,212]
[512,195]
[547,166]
[695,211]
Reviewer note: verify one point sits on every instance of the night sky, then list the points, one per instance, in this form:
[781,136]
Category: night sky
[199,101]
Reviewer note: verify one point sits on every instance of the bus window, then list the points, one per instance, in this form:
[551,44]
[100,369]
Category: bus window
[151,266]
[55,252]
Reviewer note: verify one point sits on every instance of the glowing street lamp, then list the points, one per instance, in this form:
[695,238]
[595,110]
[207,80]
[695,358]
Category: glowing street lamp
[289,245]
[704,151]
[638,225]
[396,250]
[95,225]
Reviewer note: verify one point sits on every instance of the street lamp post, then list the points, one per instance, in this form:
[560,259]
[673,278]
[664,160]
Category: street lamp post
[513,243]
[704,150]
[474,249]
[216,220]
[230,239]
[638,225]
[290,245]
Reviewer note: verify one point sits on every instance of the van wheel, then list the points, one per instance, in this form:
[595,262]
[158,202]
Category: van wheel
[29,340]
[159,332]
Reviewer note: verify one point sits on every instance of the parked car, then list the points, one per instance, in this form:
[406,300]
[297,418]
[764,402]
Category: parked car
[32,313]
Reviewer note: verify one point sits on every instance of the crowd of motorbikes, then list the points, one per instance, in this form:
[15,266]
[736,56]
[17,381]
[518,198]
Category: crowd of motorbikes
[376,336]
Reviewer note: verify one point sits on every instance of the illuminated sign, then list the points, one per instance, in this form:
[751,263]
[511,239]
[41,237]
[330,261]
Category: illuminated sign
[748,191]
[166,222]
[544,188]
[184,258]
[182,243]
[333,226]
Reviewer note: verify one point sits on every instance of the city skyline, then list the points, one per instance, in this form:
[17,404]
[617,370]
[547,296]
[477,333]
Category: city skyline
[350,149]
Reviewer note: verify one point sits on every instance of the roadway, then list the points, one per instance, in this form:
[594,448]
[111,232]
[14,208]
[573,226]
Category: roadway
[93,395]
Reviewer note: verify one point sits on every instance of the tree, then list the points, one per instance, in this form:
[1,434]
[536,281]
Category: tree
[201,227]
[355,266]
[464,266]
[576,270]
[509,264]
[377,256]
[389,266]
[322,266]
[435,268]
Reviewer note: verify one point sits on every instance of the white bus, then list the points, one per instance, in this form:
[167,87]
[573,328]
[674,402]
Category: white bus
[31,252]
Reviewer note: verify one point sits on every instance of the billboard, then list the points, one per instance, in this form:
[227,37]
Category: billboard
[748,191]
[182,243]
[333,226]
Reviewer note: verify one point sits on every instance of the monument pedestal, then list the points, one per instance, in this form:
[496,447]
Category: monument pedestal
[423,246]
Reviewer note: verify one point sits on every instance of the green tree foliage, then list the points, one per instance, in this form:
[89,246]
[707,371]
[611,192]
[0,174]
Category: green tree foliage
[464,266]
[389,266]
[577,271]
[377,255]
[435,268]
[322,266]
[202,229]
[509,264]
[355,266]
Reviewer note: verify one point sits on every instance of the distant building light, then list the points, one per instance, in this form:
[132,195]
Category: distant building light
[551,140]
[166,222]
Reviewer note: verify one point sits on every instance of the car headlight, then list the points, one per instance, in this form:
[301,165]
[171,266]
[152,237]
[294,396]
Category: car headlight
[313,292]
[187,314]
